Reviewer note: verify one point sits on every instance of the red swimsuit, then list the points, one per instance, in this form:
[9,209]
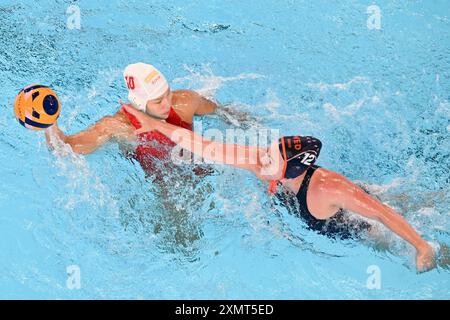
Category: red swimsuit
[154,144]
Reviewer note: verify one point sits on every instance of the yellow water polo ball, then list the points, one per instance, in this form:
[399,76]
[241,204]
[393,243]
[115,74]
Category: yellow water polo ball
[37,107]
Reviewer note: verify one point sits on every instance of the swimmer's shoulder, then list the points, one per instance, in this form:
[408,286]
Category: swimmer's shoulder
[184,95]
[188,103]
[324,186]
[325,179]
[184,99]
[185,102]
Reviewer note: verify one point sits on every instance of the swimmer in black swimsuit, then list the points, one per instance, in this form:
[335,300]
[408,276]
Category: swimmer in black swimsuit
[301,154]
[322,193]
[335,227]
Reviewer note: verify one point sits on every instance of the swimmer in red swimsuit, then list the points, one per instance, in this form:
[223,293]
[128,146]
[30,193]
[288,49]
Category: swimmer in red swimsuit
[148,92]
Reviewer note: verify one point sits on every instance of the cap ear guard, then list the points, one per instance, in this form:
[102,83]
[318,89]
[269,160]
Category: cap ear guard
[302,152]
[137,102]
[298,155]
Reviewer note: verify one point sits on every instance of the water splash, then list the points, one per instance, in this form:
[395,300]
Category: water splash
[206,83]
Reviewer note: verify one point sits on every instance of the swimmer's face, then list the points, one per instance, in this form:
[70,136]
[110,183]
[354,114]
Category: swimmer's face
[271,163]
[160,107]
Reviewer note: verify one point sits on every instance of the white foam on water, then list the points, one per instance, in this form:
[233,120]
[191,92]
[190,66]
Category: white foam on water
[209,83]
[427,211]
[231,118]
[348,110]
[106,78]
[422,216]
[376,100]
[379,189]
[441,18]
[443,107]
[273,102]
[69,113]
[322,86]
[76,169]
[413,167]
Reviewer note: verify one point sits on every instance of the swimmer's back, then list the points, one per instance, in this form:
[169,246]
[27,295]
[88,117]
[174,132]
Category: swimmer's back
[327,220]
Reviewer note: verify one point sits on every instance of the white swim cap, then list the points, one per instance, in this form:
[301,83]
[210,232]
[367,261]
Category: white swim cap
[144,82]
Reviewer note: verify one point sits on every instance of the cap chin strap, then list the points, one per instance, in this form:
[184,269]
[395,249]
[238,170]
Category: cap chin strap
[274,183]
[272,186]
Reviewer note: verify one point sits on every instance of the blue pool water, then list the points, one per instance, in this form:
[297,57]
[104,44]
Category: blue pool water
[379,99]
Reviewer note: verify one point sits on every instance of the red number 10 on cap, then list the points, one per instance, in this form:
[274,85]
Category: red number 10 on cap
[130,82]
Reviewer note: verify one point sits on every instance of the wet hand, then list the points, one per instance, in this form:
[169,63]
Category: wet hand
[425,258]
[147,122]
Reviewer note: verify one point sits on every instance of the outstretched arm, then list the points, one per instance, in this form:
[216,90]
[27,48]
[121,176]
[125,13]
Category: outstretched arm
[240,156]
[91,139]
[347,195]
